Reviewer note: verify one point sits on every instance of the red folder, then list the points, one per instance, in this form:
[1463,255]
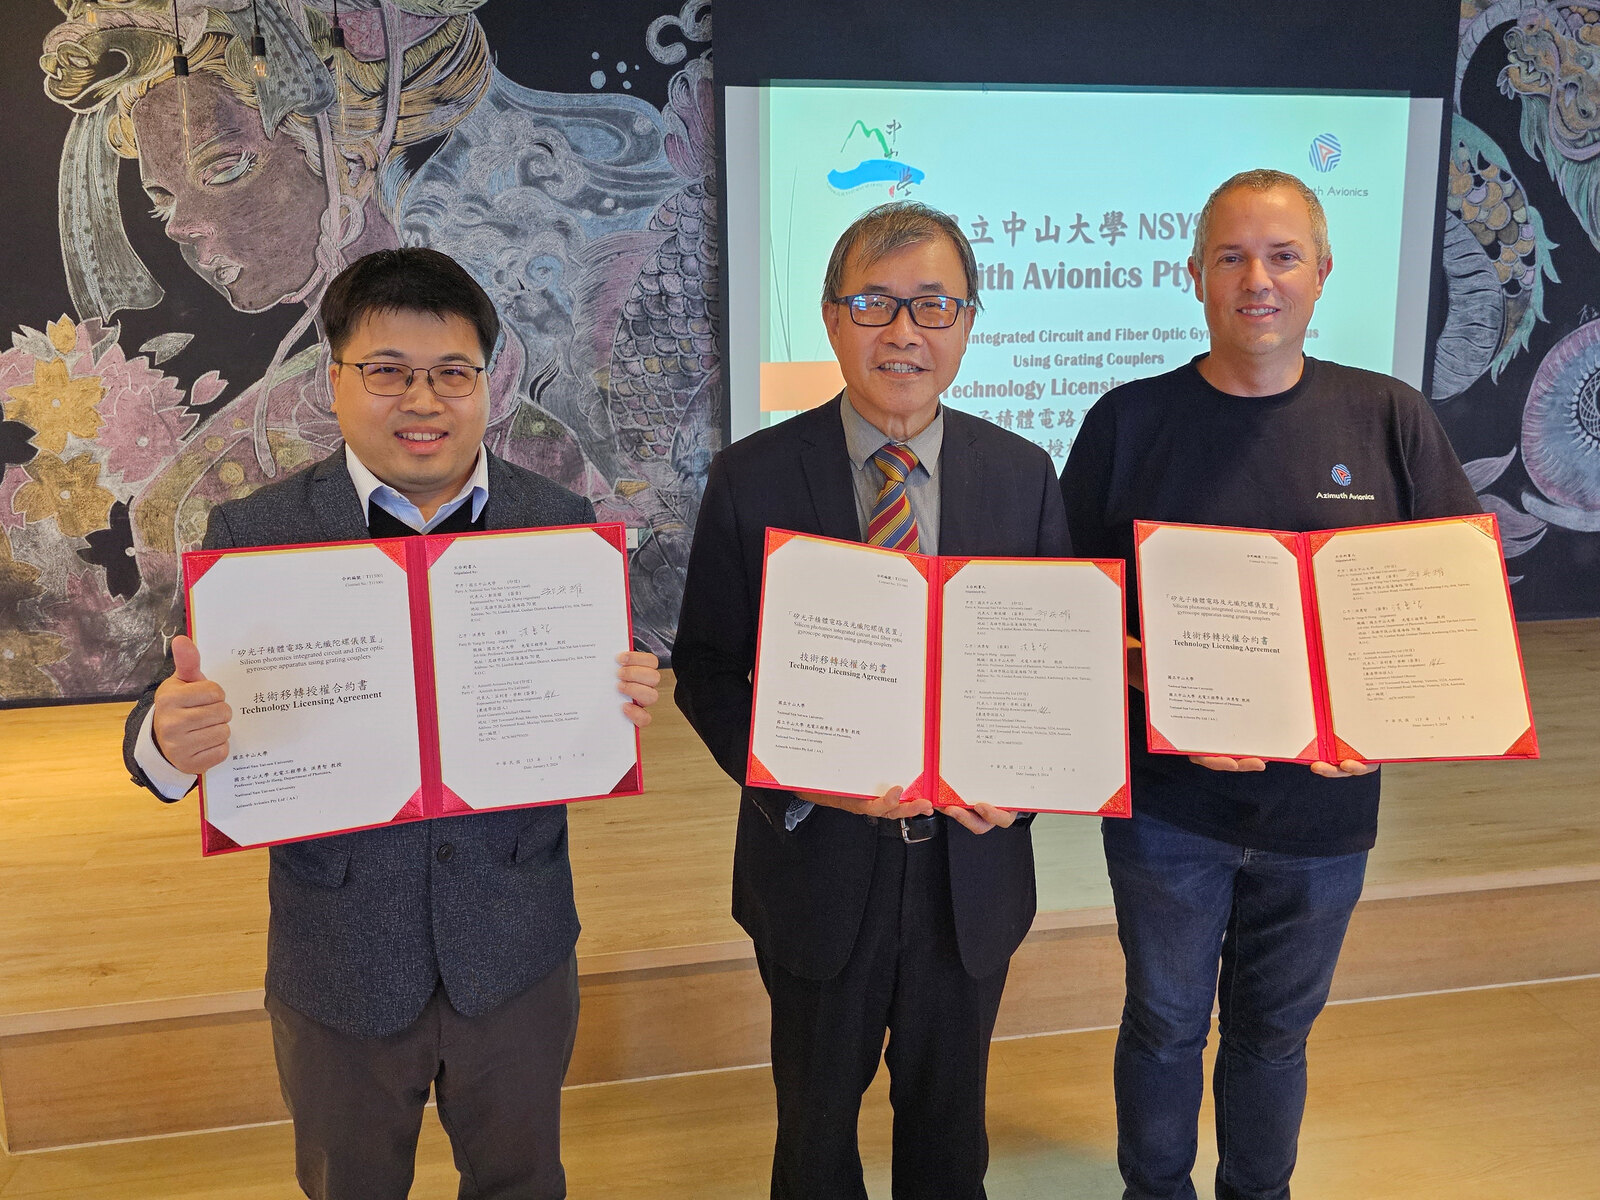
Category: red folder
[414,556]
[930,784]
[1328,746]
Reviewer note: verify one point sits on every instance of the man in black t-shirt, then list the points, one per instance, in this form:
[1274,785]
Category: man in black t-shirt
[1256,866]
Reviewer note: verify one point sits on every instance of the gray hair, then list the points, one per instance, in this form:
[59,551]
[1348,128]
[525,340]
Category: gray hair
[1264,179]
[880,231]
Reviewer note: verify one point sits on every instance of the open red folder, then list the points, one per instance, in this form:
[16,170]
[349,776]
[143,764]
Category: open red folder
[964,680]
[378,682]
[1379,643]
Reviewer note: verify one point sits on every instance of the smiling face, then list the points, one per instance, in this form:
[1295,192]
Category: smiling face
[423,447]
[243,207]
[1259,279]
[895,373]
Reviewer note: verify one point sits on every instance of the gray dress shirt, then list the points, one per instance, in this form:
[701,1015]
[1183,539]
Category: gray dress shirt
[862,440]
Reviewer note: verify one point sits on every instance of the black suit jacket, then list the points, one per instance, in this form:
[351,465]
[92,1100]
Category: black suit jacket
[365,925]
[801,895]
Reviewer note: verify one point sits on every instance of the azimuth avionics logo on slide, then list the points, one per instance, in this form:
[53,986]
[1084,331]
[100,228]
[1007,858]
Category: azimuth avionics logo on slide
[1325,152]
[874,160]
[1341,474]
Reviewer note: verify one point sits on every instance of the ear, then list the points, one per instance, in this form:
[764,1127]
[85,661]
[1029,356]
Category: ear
[832,314]
[1324,269]
[1198,278]
[333,391]
[964,323]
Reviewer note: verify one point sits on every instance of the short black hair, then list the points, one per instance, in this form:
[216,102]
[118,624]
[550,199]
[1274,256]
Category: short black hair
[410,279]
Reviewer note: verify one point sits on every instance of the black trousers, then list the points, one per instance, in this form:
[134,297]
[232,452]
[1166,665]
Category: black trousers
[904,978]
[357,1102]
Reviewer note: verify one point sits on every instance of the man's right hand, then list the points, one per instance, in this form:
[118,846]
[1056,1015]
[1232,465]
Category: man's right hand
[189,720]
[887,805]
[1135,653]
[1220,762]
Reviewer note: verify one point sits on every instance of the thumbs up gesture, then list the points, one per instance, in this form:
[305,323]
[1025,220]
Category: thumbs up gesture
[190,717]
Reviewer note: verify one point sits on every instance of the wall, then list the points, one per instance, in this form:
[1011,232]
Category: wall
[170,239]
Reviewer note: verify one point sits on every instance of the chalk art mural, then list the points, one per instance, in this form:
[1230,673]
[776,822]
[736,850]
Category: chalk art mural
[168,237]
[1517,366]
[587,213]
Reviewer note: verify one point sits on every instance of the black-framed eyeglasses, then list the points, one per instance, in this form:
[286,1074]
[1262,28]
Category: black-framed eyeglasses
[449,381]
[931,312]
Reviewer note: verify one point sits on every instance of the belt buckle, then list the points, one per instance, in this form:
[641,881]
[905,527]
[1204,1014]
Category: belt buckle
[906,832]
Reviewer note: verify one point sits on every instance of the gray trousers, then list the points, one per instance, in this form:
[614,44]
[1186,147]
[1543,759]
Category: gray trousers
[357,1102]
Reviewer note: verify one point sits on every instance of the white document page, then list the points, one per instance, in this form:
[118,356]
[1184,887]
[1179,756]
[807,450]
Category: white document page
[1421,650]
[312,648]
[526,631]
[841,672]
[1226,665]
[1033,699]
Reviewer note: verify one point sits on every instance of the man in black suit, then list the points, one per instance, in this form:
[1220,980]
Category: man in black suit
[437,954]
[880,915]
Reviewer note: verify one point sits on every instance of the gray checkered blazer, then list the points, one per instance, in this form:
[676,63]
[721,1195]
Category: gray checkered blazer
[365,925]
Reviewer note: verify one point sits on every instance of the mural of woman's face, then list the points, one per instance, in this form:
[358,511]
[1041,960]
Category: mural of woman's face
[244,207]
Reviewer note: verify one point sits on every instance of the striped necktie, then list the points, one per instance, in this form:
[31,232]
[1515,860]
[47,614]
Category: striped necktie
[892,523]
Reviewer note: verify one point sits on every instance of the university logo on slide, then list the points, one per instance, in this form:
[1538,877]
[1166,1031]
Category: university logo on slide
[876,161]
[1325,152]
[1341,474]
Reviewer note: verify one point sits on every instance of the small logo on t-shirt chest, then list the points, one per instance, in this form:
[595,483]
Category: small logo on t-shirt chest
[1344,477]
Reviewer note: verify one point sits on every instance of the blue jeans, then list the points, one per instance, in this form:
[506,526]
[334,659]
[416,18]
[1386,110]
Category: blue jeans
[1275,922]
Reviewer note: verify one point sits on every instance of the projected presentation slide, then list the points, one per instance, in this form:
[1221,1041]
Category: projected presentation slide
[1080,206]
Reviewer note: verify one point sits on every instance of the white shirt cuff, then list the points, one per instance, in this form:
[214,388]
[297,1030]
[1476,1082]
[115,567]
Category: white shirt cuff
[168,780]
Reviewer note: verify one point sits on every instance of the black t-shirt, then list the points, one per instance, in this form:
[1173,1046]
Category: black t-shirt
[1342,447]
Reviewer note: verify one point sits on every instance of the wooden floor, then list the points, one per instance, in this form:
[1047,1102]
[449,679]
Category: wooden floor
[104,898]
[1487,1095]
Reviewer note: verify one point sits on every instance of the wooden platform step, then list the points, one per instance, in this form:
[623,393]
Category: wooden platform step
[1478,1095]
[160,1067]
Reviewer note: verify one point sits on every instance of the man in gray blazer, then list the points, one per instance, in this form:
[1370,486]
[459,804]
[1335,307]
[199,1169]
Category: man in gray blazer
[438,953]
